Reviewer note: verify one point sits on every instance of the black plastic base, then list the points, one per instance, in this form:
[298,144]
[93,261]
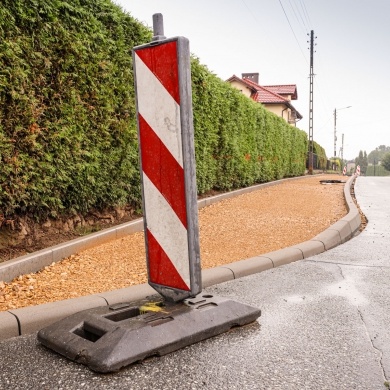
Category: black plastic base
[111,337]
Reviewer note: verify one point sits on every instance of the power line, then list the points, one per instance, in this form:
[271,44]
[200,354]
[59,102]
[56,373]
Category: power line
[303,5]
[288,20]
[253,15]
[299,19]
[305,19]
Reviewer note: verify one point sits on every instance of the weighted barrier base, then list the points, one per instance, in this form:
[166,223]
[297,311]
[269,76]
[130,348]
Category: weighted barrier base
[111,337]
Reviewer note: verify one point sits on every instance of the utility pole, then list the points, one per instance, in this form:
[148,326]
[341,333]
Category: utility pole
[335,140]
[342,149]
[335,136]
[311,103]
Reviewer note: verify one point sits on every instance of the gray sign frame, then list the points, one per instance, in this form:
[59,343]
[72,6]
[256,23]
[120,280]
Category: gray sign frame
[189,166]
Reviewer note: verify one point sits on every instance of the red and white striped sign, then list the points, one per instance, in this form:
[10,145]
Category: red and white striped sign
[168,178]
[344,170]
[358,170]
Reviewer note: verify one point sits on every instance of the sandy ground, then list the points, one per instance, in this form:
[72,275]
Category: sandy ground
[248,225]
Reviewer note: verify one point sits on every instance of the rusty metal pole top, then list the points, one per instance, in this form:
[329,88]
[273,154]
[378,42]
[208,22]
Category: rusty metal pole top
[158,28]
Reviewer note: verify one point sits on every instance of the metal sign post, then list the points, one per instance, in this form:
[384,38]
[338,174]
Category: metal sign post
[165,129]
[111,337]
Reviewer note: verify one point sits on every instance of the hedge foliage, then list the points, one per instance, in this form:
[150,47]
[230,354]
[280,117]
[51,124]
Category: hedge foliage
[377,170]
[321,160]
[237,141]
[68,139]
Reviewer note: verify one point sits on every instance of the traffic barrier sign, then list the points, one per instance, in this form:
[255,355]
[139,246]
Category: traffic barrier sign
[164,114]
[109,338]
[358,170]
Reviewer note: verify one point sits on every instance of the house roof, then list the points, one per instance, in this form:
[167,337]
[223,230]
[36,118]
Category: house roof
[264,95]
[242,81]
[268,94]
[287,89]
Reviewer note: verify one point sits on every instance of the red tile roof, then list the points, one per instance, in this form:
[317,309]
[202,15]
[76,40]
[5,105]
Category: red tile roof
[288,89]
[269,94]
[263,94]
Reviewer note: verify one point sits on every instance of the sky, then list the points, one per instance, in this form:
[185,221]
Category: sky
[270,37]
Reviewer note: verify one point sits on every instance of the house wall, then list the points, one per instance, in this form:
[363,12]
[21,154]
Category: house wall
[274,108]
[278,110]
[245,90]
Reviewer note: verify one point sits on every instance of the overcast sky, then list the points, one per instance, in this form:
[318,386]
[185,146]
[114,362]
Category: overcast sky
[351,63]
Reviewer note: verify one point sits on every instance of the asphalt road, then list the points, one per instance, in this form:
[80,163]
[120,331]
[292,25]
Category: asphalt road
[324,325]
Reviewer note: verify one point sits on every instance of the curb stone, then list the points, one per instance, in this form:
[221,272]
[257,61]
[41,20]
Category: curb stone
[36,261]
[31,319]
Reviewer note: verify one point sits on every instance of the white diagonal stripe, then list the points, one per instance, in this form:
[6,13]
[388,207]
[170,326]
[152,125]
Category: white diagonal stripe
[167,228]
[159,109]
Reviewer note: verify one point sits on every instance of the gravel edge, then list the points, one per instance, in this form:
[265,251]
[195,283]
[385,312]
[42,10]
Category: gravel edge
[31,319]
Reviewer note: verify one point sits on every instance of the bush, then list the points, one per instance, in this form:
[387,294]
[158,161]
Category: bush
[386,161]
[237,141]
[67,133]
[68,140]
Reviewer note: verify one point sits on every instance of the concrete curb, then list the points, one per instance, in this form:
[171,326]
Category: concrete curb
[30,319]
[34,262]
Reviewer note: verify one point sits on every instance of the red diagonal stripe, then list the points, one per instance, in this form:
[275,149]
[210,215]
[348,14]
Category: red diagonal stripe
[161,269]
[163,170]
[162,61]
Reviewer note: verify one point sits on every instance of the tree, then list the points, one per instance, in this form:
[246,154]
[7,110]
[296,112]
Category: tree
[362,160]
[376,155]
[364,165]
[386,161]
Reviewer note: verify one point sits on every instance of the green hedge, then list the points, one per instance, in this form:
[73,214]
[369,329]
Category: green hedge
[321,156]
[67,115]
[378,170]
[237,141]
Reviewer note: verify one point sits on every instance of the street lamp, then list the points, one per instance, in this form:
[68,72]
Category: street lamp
[335,137]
